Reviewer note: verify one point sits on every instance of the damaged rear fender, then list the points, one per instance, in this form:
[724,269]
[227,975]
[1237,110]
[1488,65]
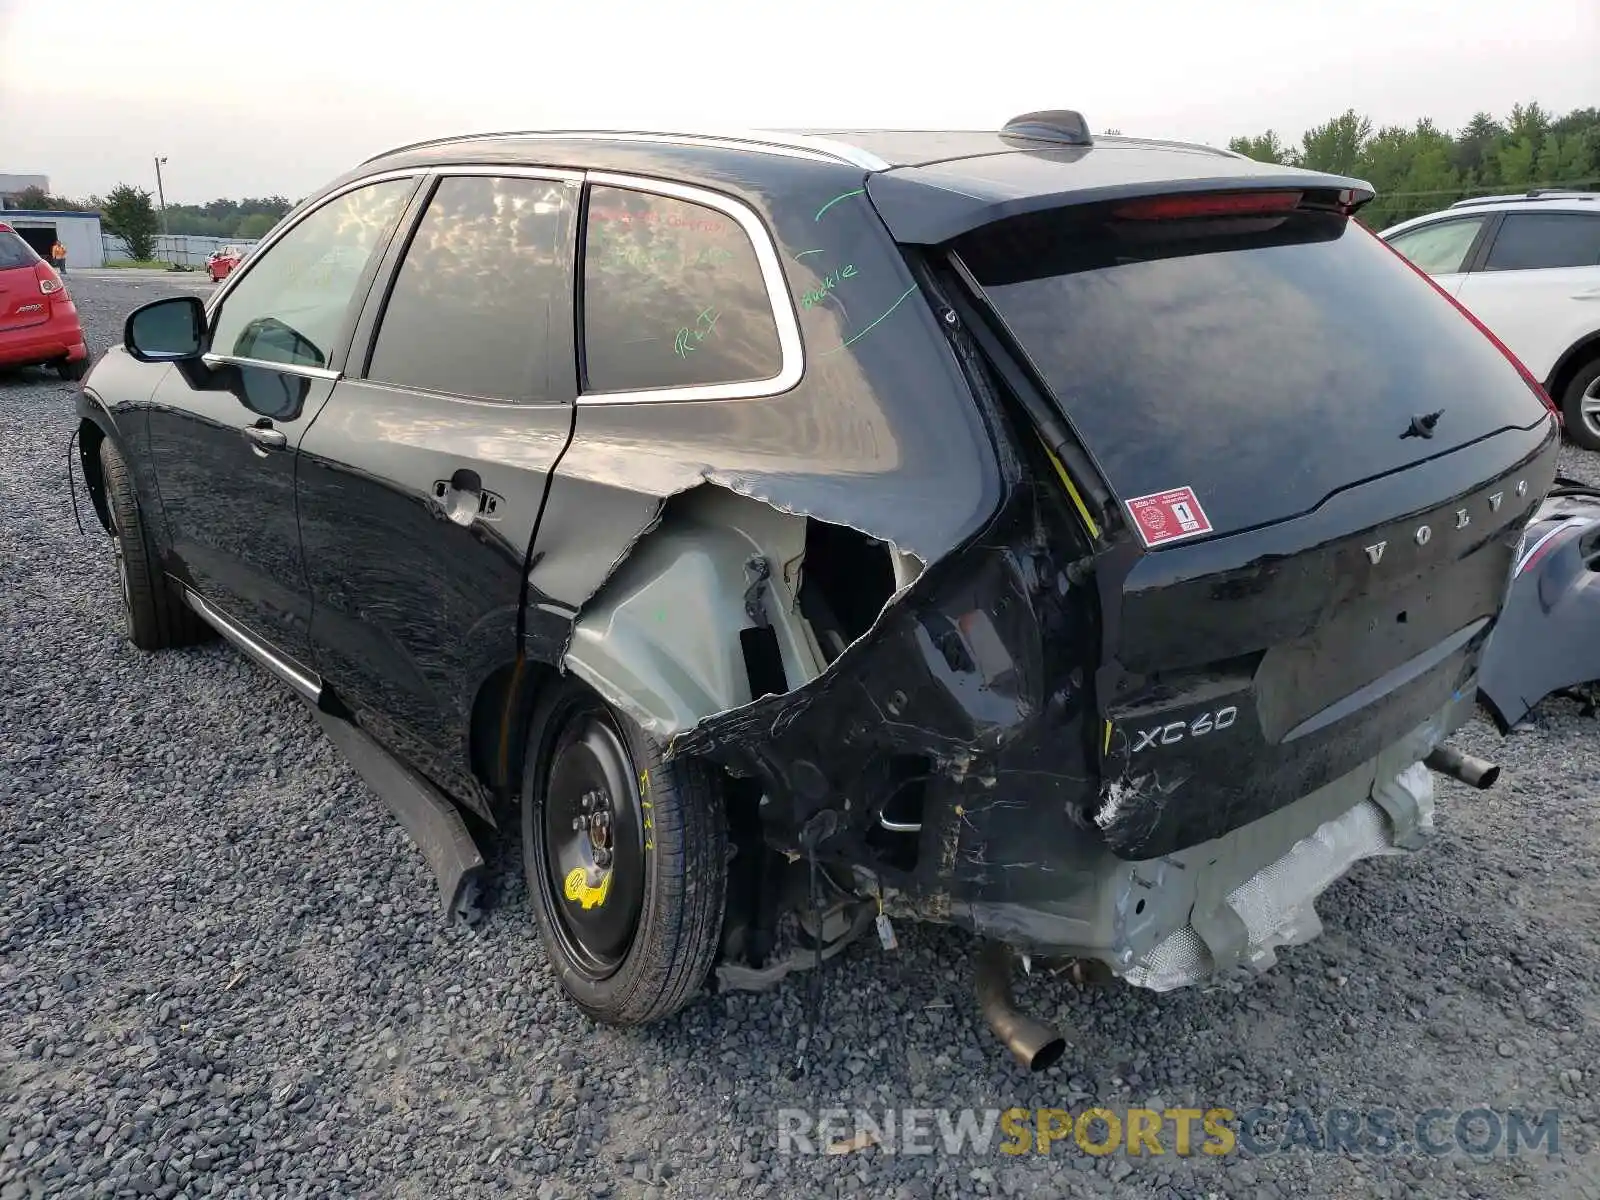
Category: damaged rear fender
[1545,639]
[667,639]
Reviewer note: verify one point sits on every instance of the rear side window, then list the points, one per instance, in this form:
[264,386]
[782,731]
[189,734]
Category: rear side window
[1439,249]
[14,252]
[470,311]
[1534,241]
[673,296]
[1255,365]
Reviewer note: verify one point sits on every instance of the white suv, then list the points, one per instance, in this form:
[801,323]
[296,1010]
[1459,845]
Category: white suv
[1528,267]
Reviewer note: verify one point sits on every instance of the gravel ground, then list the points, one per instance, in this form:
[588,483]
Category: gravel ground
[223,972]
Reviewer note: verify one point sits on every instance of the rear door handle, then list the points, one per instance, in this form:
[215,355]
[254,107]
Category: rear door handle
[266,437]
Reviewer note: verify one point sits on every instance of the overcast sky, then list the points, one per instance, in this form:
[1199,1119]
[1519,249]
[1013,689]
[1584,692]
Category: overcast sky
[276,97]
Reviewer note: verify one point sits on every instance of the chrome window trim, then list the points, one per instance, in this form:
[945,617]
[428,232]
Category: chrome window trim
[308,686]
[284,228]
[304,370]
[791,350]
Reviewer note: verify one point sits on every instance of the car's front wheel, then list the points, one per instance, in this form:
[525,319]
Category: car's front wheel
[155,616]
[626,859]
[1580,406]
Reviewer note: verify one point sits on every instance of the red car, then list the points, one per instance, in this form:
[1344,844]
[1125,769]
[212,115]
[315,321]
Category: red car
[38,320]
[220,262]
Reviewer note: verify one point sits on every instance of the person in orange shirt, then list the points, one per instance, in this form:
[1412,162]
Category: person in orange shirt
[58,257]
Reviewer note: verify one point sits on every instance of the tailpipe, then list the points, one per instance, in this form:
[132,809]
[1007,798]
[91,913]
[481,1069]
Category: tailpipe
[1033,1043]
[1471,770]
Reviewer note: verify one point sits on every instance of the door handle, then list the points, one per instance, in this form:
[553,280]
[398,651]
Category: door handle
[265,436]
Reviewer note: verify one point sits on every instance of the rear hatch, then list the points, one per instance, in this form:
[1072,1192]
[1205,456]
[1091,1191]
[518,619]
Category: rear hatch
[23,298]
[1321,469]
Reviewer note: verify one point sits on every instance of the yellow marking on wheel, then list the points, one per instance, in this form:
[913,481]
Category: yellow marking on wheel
[578,888]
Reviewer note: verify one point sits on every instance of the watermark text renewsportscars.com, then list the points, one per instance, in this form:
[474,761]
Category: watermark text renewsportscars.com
[1265,1130]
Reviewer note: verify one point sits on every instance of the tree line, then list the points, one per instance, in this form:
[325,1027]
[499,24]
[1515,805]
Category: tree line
[1415,170]
[1423,168]
[130,212]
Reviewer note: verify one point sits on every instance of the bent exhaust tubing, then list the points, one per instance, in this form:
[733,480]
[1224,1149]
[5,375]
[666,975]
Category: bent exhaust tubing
[1471,770]
[1033,1043]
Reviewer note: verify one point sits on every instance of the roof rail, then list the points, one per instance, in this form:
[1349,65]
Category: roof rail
[1172,144]
[757,140]
[1530,194]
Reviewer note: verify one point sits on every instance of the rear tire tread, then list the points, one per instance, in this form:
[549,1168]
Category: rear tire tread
[691,868]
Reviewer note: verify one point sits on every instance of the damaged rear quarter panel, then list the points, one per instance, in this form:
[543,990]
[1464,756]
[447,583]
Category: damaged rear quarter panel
[880,435]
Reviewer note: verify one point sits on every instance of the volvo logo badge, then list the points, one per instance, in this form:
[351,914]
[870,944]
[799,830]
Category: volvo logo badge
[1422,535]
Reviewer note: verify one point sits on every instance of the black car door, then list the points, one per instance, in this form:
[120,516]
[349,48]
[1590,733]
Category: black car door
[420,483]
[223,439]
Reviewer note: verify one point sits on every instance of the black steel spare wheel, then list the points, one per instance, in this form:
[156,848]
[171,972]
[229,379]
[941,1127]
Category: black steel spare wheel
[593,842]
[625,859]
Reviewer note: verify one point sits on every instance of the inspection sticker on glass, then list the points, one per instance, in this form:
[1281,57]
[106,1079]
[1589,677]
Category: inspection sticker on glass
[1168,516]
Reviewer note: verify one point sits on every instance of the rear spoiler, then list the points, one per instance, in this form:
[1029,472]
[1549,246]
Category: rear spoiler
[932,204]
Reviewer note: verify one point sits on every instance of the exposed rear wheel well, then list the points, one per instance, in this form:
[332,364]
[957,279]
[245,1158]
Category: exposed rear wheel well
[500,715]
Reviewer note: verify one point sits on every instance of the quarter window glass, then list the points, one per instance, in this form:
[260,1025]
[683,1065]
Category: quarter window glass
[291,305]
[673,296]
[470,311]
[1439,249]
[1531,241]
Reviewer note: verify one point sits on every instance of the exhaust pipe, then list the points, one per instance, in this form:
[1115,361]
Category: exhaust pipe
[1471,770]
[1033,1043]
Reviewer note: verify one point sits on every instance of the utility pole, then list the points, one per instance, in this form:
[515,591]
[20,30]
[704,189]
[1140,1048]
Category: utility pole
[161,196]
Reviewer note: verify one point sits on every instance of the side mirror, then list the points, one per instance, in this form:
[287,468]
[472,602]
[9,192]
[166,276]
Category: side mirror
[171,330]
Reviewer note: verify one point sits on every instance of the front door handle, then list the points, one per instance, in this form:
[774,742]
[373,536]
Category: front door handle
[265,436]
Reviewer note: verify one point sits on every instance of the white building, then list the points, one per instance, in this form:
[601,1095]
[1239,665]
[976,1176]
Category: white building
[79,232]
[12,186]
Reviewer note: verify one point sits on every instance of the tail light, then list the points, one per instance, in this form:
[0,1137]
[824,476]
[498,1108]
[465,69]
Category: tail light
[1527,375]
[1228,204]
[49,282]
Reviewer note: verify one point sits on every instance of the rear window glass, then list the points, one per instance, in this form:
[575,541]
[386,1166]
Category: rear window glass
[1540,241]
[471,306]
[1264,363]
[14,252]
[672,296]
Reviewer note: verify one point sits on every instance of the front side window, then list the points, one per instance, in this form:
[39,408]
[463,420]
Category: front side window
[471,308]
[673,296]
[1543,241]
[293,303]
[1440,249]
